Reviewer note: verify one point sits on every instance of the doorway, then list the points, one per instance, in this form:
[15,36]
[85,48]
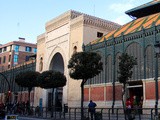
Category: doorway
[57,64]
[135,89]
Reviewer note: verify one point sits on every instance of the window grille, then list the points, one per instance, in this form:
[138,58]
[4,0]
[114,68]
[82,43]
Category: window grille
[135,50]
[149,62]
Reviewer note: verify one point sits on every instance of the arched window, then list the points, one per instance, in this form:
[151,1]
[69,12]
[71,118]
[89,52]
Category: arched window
[135,50]
[117,65]
[109,68]
[100,77]
[149,62]
[74,49]
[41,64]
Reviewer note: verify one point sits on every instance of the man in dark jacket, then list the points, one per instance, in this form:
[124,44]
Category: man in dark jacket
[91,109]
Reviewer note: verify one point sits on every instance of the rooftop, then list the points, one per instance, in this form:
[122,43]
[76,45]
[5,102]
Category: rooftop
[131,27]
[145,9]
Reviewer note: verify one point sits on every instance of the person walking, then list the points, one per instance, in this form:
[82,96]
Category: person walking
[91,108]
[128,108]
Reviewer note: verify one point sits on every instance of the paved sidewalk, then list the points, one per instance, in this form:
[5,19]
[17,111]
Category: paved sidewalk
[31,118]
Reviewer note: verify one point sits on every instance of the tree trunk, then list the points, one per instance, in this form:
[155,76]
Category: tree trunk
[52,102]
[82,98]
[29,93]
[21,94]
[123,93]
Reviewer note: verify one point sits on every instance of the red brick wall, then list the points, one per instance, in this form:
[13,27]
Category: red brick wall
[22,56]
[86,94]
[26,97]
[23,97]
[109,93]
[97,93]
[150,90]
[118,93]
[5,65]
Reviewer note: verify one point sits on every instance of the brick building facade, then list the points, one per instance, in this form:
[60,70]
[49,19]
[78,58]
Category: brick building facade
[15,52]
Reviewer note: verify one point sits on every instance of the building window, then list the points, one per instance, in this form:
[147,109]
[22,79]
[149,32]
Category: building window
[9,59]
[4,59]
[35,50]
[4,49]
[15,58]
[0,60]
[9,66]
[41,64]
[27,58]
[99,34]
[16,48]
[0,50]
[28,49]
[74,49]
[135,50]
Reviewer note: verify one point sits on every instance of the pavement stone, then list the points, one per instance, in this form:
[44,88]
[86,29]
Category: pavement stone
[31,118]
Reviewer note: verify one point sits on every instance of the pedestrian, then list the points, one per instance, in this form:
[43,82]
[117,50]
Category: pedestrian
[27,107]
[135,106]
[91,108]
[140,105]
[128,108]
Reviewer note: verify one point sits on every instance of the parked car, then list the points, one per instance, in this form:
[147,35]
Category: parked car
[11,117]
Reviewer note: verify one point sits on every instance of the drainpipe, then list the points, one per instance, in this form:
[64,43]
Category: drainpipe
[113,103]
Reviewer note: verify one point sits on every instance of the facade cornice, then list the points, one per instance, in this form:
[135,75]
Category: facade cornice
[79,18]
[94,21]
[77,22]
[101,23]
[61,20]
[41,38]
[18,43]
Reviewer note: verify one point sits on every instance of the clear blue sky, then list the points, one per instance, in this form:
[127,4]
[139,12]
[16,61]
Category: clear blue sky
[27,18]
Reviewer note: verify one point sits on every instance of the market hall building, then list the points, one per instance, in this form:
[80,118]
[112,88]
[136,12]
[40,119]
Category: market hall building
[66,34]
[137,38]
[63,36]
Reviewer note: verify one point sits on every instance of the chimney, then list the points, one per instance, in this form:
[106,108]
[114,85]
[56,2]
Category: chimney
[21,39]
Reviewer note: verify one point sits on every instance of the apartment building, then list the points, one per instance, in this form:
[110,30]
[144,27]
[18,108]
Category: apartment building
[15,52]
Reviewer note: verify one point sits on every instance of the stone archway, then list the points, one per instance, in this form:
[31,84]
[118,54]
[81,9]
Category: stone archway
[56,64]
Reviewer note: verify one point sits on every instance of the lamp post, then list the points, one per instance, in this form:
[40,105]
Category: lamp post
[157,52]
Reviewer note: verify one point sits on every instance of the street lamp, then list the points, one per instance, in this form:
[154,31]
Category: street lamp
[157,52]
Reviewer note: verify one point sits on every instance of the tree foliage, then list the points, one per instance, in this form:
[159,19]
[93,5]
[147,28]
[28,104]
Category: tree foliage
[85,65]
[82,66]
[51,79]
[126,64]
[27,79]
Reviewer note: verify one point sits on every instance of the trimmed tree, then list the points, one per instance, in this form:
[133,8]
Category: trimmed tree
[27,79]
[83,66]
[126,64]
[51,79]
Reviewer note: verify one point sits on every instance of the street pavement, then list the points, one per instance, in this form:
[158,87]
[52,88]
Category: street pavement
[29,118]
